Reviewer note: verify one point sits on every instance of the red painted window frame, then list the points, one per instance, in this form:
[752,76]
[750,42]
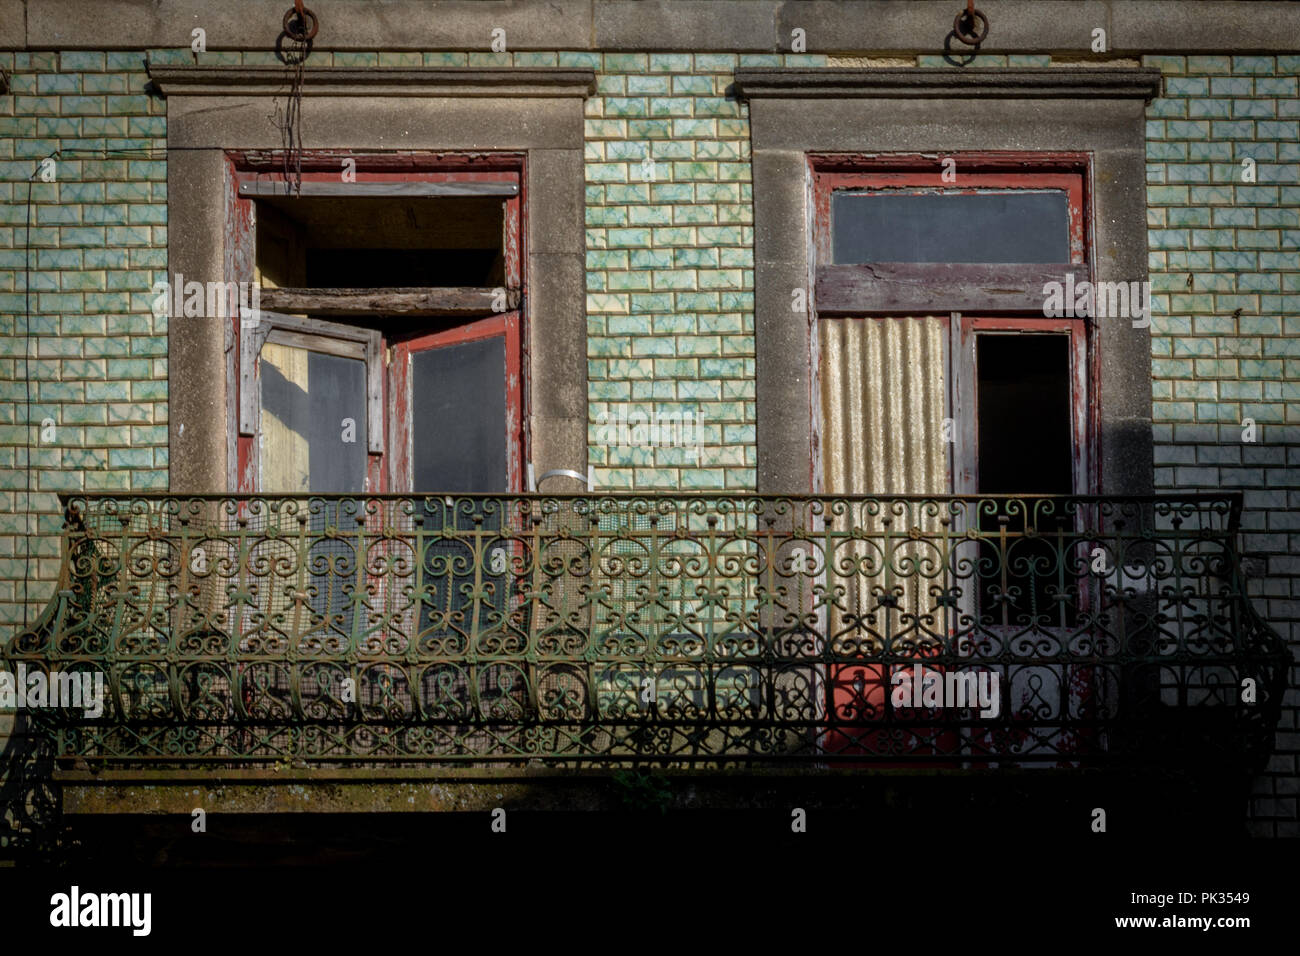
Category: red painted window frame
[1081,441]
[504,325]
[327,166]
[1068,171]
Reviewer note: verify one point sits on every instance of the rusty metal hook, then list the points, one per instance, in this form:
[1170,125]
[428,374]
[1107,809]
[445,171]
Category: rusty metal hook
[971,25]
[296,22]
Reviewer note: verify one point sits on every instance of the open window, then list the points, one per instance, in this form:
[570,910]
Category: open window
[931,335]
[940,372]
[1025,441]
[383,355]
[312,395]
[386,352]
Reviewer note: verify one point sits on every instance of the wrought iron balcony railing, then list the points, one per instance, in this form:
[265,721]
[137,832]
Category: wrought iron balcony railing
[687,630]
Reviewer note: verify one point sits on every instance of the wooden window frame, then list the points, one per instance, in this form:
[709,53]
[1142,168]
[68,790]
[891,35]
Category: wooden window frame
[969,298]
[260,173]
[964,400]
[941,287]
[315,335]
[504,325]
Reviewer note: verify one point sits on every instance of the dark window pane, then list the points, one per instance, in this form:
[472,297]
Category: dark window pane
[1024,447]
[458,412]
[381,241]
[1014,226]
[313,422]
[1023,396]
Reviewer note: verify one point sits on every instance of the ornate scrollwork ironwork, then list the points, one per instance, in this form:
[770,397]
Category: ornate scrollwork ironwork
[673,629]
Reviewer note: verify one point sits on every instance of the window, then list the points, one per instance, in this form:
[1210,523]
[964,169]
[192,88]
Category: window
[901,224]
[456,128]
[937,370]
[310,395]
[859,391]
[808,124]
[1023,385]
[386,355]
[461,386]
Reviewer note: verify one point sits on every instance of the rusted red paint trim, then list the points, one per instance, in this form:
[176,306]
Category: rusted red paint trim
[518,360]
[991,160]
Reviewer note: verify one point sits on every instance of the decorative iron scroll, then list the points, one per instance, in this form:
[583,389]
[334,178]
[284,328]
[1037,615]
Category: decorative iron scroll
[690,630]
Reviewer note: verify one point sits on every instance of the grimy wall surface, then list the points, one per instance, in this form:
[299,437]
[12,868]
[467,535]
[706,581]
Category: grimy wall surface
[670,265]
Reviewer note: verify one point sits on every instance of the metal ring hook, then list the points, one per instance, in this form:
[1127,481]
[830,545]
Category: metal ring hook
[296,23]
[971,26]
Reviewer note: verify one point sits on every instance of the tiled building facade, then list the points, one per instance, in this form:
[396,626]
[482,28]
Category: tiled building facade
[670,304]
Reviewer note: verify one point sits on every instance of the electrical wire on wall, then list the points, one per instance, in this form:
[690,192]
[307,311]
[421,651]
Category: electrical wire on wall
[293,46]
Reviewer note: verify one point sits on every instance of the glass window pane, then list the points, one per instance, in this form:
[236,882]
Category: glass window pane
[1023,407]
[313,434]
[1012,226]
[458,418]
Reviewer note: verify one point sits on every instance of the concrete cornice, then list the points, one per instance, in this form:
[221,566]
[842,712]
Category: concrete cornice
[885,83]
[374,81]
[759,26]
